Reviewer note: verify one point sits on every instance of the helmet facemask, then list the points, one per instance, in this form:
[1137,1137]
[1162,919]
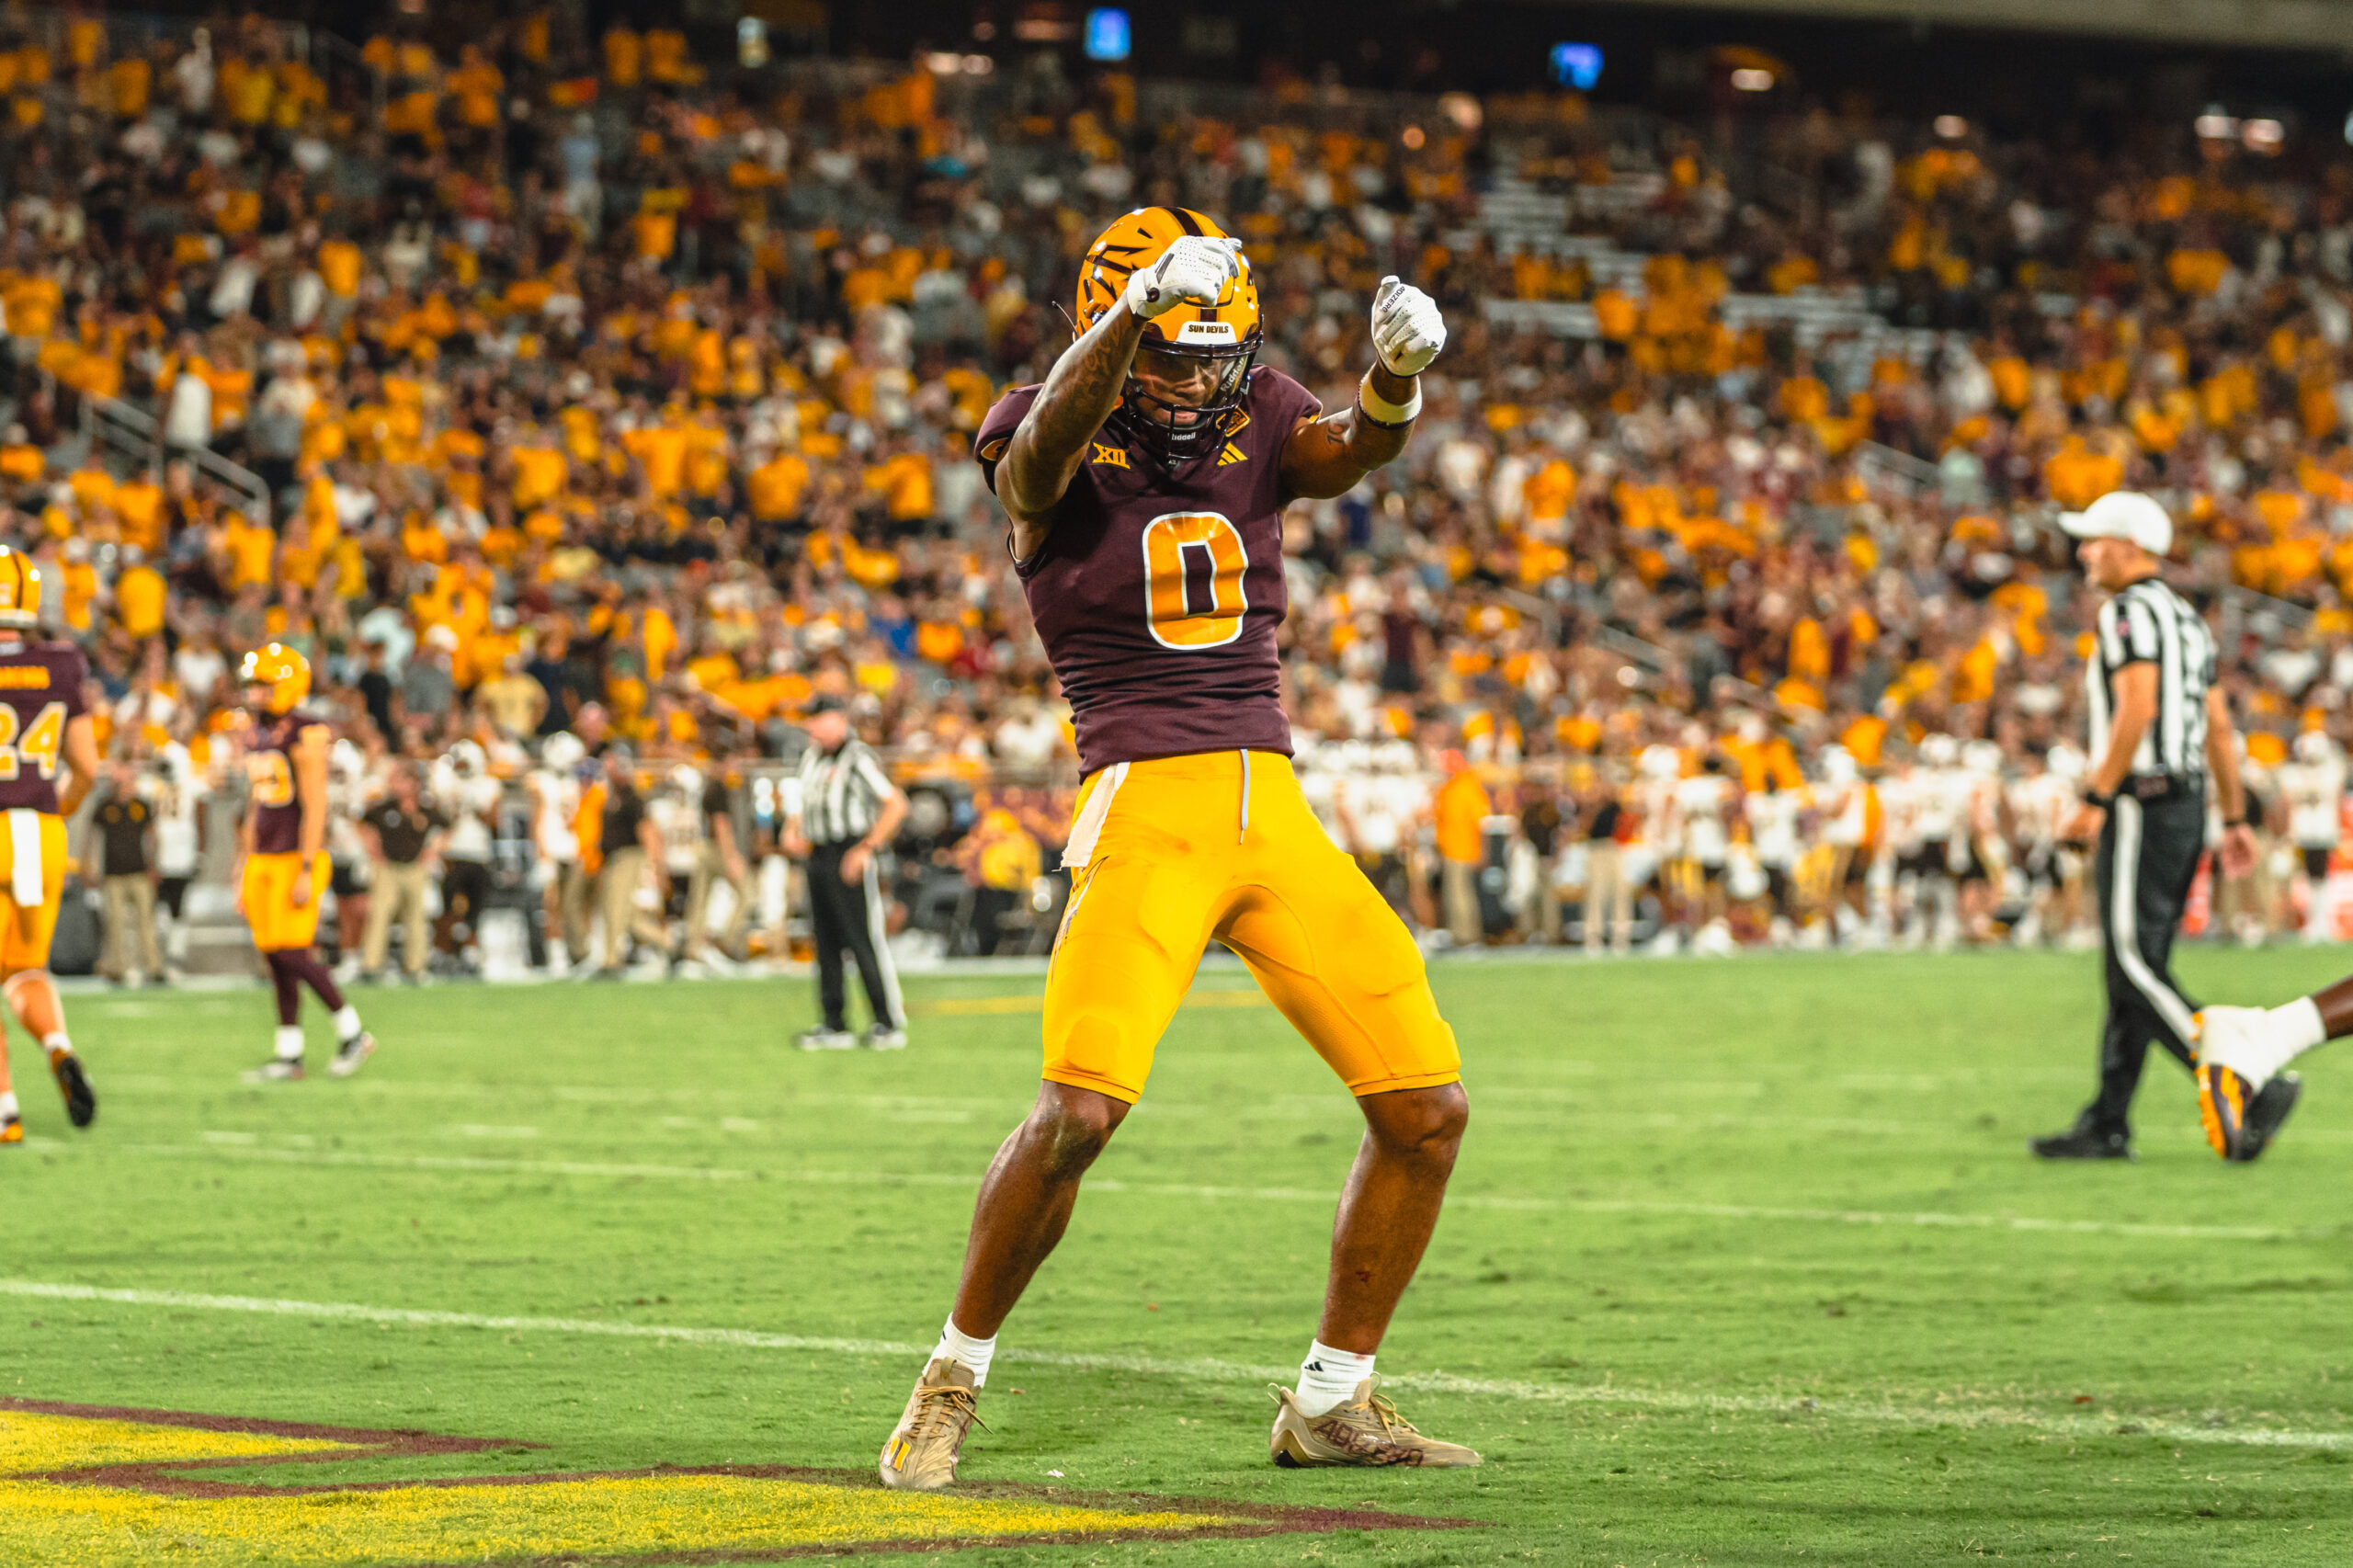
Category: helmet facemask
[1160,426]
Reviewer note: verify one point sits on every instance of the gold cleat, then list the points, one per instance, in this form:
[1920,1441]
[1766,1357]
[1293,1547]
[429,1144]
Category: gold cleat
[12,1130]
[2241,1117]
[922,1453]
[1367,1430]
[2222,1097]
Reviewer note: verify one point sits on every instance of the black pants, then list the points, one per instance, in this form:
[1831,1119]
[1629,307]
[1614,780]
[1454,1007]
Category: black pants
[989,907]
[465,888]
[849,917]
[2148,856]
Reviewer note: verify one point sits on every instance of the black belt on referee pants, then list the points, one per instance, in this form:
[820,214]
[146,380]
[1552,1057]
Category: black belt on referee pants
[847,916]
[2148,850]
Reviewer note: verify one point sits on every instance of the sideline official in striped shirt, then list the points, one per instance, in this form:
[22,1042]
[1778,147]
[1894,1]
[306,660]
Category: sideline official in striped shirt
[848,812]
[2161,736]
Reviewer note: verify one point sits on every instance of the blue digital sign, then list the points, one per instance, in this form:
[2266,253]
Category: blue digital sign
[1107,34]
[1576,66]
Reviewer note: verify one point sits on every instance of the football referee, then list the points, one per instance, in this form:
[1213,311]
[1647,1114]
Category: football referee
[848,810]
[2160,732]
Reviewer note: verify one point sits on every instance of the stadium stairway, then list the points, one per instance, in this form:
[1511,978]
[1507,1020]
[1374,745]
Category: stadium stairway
[1516,216]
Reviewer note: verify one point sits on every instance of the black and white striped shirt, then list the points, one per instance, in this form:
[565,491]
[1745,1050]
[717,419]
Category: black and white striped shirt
[841,792]
[2149,623]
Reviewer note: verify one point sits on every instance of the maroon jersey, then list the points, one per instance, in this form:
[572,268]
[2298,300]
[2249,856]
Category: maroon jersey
[1158,596]
[277,794]
[41,692]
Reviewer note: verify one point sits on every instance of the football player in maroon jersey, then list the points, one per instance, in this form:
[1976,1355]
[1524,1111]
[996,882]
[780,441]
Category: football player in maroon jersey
[282,865]
[1145,479]
[44,730]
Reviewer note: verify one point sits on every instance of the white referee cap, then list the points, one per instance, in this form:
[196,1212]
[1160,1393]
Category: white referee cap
[2126,515]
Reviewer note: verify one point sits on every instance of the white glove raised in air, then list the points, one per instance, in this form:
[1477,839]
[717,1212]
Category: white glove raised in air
[1407,331]
[1192,271]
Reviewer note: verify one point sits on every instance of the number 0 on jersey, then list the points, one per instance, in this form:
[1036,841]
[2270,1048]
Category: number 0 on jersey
[1193,567]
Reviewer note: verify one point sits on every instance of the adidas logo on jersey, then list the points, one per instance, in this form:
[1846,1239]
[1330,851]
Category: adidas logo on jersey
[1233,454]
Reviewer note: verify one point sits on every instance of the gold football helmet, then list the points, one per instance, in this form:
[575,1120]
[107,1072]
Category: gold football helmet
[283,669]
[1226,333]
[20,589]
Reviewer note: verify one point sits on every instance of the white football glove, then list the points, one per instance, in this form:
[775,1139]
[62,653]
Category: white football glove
[1407,331]
[1193,270]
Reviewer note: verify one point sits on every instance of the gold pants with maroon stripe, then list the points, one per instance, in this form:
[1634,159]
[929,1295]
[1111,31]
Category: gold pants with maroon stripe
[1171,854]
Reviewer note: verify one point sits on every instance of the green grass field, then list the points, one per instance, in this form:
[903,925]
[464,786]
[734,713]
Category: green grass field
[1744,1264]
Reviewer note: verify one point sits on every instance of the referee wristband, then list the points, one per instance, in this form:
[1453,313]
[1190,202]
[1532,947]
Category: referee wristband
[2094,798]
[1381,412]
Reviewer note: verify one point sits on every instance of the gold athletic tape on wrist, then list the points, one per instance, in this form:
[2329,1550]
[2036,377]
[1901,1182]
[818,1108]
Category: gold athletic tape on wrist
[1383,412]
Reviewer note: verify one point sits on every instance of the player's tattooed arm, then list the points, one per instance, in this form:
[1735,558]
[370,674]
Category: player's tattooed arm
[1326,457]
[1080,394]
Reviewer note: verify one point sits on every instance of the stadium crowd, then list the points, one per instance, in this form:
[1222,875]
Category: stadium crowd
[611,405]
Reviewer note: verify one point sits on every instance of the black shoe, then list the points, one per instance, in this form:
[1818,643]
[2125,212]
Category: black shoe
[351,1054]
[81,1103]
[2267,1112]
[2083,1142]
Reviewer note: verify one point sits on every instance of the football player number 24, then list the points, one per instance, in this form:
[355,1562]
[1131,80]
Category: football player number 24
[37,745]
[1193,567]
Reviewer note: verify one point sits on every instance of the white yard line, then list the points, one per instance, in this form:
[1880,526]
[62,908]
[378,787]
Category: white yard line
[239,1149]
[1787,1407]
[1577,1108]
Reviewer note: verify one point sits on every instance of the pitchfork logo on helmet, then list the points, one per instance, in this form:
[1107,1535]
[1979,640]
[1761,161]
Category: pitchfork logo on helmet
[283,669]
[20,589]
[1225,333]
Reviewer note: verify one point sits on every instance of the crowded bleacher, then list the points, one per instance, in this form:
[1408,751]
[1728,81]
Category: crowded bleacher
[573,398]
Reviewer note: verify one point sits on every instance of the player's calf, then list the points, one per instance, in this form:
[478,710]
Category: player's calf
[32,997]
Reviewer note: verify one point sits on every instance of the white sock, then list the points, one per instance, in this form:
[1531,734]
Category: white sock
[1328,1379]
[2294,1030]
[955,1344]
[347,1023]
[56,1042]
[289,1042]
[8,1106]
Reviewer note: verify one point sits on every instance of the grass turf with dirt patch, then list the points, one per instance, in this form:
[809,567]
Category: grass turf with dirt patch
[1745,1262]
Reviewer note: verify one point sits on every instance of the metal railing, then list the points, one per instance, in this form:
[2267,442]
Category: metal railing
[134,434]
[323,50]
[1913,474]
[2247,603]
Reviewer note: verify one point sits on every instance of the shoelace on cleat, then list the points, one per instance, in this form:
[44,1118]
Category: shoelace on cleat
[1392,1424]
[1384,1409]
[943,1401]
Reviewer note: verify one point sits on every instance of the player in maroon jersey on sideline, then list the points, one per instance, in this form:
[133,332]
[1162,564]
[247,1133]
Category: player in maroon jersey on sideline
[44,725]
[282,867]
[1145,480]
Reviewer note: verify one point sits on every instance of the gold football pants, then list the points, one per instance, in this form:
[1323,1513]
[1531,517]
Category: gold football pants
[1171,854]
